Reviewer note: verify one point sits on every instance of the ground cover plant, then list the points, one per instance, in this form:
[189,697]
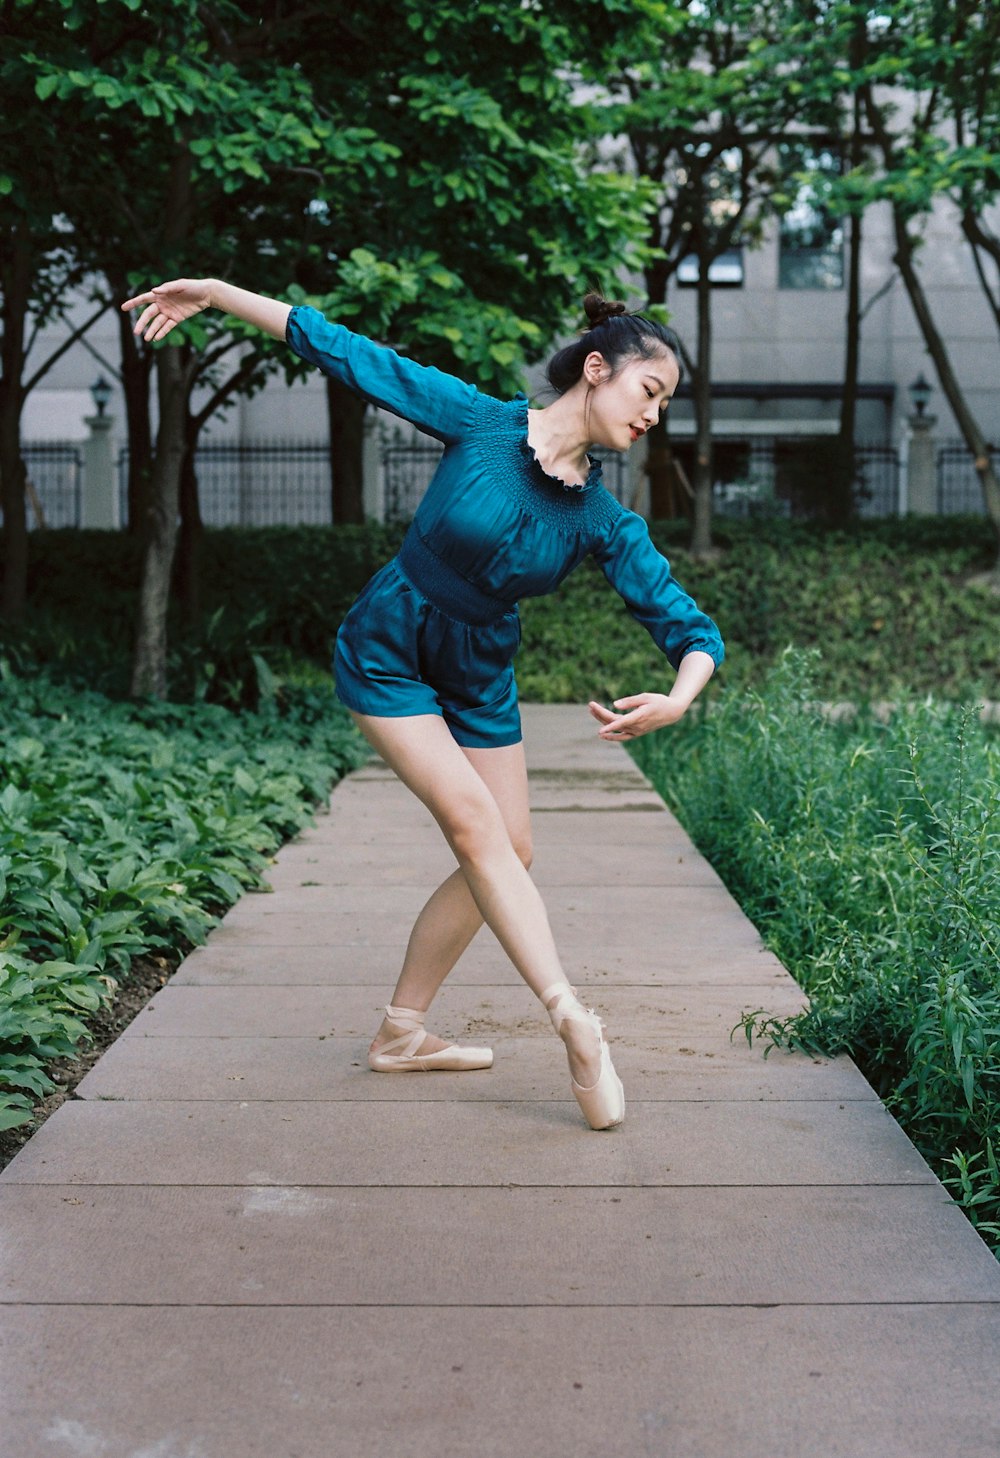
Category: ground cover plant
[886,601]
[867,852]
[126,829]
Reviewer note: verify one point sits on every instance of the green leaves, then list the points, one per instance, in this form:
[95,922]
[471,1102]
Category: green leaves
[868,854]
[141,826]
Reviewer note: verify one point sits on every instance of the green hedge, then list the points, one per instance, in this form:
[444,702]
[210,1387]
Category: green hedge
[886,602]
[125,828]
[868,855]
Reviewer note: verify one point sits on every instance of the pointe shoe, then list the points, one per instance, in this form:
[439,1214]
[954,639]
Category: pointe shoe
[452,1059]
[603,1103]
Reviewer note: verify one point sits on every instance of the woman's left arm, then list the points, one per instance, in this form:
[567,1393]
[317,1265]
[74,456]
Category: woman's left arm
[642,713]
[688,637]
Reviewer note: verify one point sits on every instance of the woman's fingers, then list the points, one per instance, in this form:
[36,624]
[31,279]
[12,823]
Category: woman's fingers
[616,726]
[160,327]
[166,305]
[625,726]
[146,317]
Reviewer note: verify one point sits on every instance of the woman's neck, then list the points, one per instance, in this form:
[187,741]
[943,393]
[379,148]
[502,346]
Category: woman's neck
[557,435]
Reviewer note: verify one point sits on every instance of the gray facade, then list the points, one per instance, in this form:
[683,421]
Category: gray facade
[778,355]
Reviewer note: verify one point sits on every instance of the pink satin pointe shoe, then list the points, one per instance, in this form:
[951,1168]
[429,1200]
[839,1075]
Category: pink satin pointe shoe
[603,1103]
[400,1054]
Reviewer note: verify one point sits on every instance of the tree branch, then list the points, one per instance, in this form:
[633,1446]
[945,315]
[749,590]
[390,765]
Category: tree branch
[66,344]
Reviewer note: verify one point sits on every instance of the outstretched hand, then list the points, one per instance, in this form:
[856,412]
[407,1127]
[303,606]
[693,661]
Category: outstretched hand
[168,304]
[638,715]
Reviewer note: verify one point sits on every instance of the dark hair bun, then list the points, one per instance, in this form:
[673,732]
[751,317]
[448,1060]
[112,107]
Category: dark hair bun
[598,309]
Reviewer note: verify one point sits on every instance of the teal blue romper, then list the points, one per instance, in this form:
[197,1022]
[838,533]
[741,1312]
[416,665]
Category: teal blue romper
[435,630]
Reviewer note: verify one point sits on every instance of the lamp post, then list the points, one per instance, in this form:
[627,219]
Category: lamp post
[100,392]
[100,493]
[921,472]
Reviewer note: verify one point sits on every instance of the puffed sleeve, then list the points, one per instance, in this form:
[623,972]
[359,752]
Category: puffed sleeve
[433,401]
[642,577]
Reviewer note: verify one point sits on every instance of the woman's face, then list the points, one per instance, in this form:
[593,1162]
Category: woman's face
[622,406]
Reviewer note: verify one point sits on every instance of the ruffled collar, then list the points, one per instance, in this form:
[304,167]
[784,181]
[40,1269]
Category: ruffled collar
[577,488]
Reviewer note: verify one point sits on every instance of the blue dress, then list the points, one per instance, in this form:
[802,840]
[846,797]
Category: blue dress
[435,630]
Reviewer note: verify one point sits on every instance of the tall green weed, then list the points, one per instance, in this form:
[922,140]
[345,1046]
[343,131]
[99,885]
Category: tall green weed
[868,854]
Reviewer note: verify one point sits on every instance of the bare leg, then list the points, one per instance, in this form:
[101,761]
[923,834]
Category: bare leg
[425,757]
[451,918]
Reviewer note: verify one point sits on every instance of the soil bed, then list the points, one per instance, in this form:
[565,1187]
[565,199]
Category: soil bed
[145,977]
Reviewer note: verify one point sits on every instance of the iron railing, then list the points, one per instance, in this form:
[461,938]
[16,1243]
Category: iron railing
[959,490]
[55,483]
[876,489]
[772,470]
[289,483]
[239,484]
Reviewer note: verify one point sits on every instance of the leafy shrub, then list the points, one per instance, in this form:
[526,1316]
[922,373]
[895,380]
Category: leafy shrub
[125,828]
[868,854]
[885,601]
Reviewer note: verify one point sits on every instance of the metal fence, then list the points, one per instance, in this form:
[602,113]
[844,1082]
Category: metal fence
[278,484]
[776,476]
[958,486]
[55,483]
[876,490]
[288,483]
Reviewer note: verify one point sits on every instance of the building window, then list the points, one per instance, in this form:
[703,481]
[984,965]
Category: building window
[811,239]
[724,272]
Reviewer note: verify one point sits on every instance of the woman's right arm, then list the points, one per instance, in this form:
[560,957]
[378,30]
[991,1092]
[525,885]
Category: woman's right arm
[171,303]
[433,401]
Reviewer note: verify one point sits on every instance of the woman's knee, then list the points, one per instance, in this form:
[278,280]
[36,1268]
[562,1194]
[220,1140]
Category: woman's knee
[474,829]
[523,848]
[476,832]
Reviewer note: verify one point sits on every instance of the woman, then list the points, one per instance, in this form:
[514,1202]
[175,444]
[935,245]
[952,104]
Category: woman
[423,659]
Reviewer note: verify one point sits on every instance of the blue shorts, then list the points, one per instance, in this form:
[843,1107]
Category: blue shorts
[442,647]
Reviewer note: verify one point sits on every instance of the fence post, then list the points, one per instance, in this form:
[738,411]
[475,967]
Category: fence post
[921,466]
[372,493]
[99,507]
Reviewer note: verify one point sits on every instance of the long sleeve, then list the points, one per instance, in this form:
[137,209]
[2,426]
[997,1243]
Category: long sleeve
[641,576]
[432,400]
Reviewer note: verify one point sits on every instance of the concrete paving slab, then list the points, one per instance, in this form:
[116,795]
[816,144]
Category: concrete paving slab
[336,1069]
[684,1013]
[296,1245]
[328,964]
[425,864]
[707,905]
[690,918]
[766,1202]
[716,1382]
[404,1143]
[355,805]
[658,833]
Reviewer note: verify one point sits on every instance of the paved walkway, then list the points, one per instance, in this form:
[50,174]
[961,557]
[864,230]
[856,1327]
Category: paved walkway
[239,1243]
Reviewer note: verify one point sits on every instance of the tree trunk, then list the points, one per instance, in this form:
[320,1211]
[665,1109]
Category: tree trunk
[149,664]
[842,504]
[346,412]
[15,286]
[192,534]
[136,369]
[701,393]
[669,489]
[936,348]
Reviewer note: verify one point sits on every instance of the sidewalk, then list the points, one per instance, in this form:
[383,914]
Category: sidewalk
[237,1242]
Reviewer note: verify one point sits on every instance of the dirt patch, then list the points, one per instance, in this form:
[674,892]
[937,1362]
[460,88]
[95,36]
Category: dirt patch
[146,976]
